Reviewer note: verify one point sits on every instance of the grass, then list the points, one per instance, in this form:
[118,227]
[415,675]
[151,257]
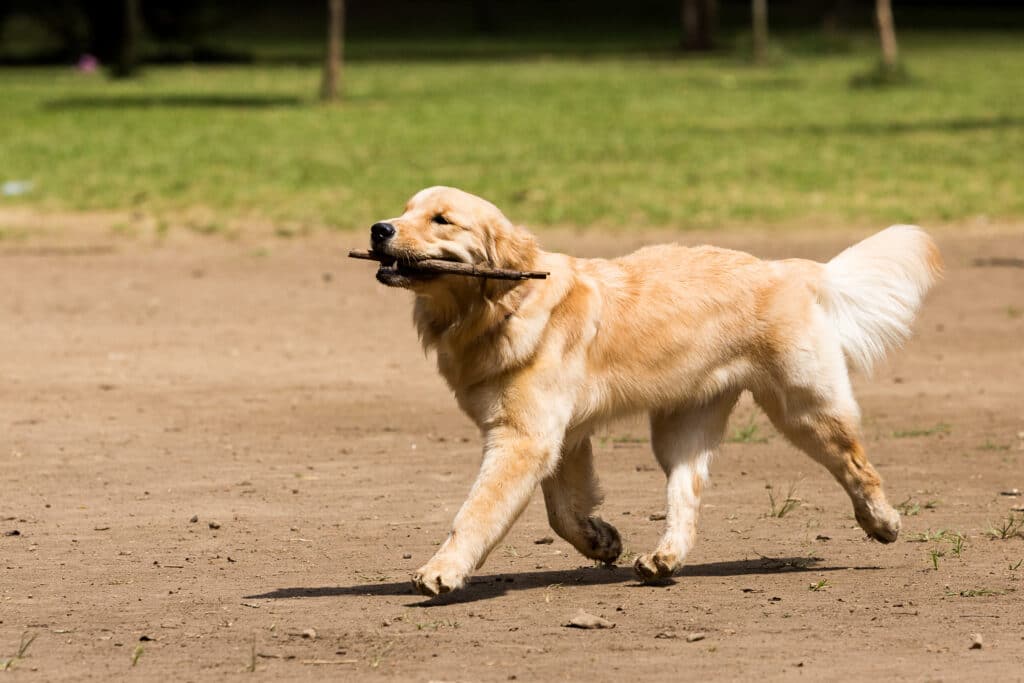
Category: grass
[977,593]
[955,540]
[26,642]
[940,428]
[781,508]
[819,586]
[607,138]
[911,508]
[748,434]
[1010,527]
[930,536]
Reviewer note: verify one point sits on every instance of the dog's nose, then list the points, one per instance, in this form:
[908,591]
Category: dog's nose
[381,232]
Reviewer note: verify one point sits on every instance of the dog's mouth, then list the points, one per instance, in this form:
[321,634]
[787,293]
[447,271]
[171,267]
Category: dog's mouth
[402,271]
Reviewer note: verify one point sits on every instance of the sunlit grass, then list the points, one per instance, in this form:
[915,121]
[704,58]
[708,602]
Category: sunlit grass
[613,141]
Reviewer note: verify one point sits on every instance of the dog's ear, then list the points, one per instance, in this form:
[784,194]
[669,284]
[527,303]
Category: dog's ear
[510,246]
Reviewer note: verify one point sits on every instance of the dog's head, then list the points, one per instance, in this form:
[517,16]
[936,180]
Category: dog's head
[451,225]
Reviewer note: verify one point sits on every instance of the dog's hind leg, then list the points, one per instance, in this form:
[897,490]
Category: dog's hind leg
[571,494]
[814,408]
[684,441]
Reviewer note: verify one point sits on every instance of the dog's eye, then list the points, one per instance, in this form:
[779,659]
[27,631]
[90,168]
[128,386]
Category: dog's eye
[440,220]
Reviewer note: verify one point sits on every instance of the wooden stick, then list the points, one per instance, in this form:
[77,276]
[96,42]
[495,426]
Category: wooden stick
[453,267]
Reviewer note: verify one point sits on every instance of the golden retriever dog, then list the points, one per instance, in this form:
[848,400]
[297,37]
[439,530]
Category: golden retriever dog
[671,331]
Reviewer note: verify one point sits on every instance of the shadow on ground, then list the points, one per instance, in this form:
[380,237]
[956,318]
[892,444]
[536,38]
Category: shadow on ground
[191,100]
[495,585]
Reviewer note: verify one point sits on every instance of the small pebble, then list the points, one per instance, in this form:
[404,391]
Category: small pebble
[1010,492]
[309,633]
[214,525]
[657,517]
[544,540]
[976,643]
[665,635]
[12,532]
[193,519]
[694,637]
[406,556]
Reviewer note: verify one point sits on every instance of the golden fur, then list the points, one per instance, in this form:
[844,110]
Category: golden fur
[672,331]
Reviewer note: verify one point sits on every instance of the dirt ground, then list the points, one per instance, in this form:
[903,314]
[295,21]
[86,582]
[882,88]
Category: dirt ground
[223,460]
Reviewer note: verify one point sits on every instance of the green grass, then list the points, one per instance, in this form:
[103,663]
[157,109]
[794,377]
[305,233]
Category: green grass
[1011,527]
[940,428]
[779,508]
[749,433]
[613,139]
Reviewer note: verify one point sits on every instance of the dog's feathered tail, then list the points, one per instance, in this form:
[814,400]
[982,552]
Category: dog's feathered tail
[872,290]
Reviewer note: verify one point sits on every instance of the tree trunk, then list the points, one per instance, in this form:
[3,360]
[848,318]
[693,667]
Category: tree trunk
[698,20]
[887,33]
[709,23]
[330,89]
[127,60]
[759,12]
[689,19]
[485,16]
[833,21]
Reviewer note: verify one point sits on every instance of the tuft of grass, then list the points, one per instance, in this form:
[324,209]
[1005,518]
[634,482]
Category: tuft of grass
[629,438]
[1013,312]
[909,508]
[977,593]
[957,542]
[938,535]
[136,653]
[748,434]
[1015,567]
[781,508]
[882,76]
[989,445]
[208,228]
[13,234]
[26,642]
[940,428]
[437,624]
[377,658]
[935,554]
[1010,527]
[819,586]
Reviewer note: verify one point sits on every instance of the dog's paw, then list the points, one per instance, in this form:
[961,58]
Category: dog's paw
[438,577]
[654,567]
[881,522]
[603,541]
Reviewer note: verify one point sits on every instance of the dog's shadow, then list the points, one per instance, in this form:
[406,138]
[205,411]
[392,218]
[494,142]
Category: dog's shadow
[495,585]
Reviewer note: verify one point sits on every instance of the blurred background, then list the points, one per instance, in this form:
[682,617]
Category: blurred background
[327,114]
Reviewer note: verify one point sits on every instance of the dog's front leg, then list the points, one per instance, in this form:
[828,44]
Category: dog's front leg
[513,465]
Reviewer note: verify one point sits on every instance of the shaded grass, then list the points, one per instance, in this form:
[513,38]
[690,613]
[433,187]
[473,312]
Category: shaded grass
[606,141]
[940,428]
